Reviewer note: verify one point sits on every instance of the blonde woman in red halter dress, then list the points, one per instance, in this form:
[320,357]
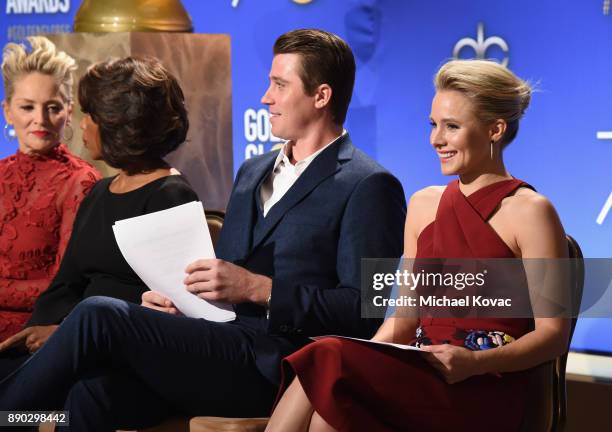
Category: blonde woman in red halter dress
[470,377]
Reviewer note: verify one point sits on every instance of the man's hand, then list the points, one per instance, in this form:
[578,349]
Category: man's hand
[30,338]
[222,281]
[454,363]
[155,300]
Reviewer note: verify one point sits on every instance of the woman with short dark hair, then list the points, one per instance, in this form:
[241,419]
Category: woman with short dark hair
[134,116]
[139,108]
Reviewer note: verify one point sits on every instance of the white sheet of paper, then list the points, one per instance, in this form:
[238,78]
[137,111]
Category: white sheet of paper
[158,246]
[400,346]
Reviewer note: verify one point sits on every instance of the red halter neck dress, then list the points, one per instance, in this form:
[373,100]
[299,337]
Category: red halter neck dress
[357,387]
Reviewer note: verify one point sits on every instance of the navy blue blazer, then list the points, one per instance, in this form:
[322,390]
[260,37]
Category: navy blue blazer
[342,208]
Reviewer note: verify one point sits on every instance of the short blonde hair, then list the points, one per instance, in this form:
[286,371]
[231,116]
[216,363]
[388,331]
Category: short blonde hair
[43,58]
[494,90]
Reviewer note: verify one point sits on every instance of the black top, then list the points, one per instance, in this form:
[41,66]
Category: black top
[93,264]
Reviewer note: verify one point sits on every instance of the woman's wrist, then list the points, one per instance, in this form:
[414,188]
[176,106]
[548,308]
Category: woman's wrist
[480,363]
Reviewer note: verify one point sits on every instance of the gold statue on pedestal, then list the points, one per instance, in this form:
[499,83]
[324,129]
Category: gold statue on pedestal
[104,16]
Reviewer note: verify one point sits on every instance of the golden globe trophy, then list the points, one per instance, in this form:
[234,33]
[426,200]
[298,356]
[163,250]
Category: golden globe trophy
[201,63]
[132,15]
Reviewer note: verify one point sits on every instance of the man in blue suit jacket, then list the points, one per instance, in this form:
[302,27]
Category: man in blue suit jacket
[298,223]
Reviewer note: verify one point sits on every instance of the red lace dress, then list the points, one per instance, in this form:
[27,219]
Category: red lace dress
[358,387]
[39,197]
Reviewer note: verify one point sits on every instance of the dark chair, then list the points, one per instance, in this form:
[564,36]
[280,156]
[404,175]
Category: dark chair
[214,219]
[546,404]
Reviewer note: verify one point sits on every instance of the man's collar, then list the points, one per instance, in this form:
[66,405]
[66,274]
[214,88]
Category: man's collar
[285,153]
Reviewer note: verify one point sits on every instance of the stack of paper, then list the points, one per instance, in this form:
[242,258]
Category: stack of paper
[159,246]
[372,342]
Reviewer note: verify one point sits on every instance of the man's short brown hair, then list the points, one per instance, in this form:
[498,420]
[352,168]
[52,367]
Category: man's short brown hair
[326,59]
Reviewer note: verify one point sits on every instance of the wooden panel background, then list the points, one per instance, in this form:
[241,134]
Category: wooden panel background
[201,63]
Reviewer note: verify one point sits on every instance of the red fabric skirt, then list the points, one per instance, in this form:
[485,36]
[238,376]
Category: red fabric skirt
[355,386]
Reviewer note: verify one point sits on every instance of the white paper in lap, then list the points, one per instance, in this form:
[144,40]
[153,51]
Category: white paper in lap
[369,341]
[159,246]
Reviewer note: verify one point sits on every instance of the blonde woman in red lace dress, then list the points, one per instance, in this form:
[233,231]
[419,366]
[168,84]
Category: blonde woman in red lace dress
[42,185]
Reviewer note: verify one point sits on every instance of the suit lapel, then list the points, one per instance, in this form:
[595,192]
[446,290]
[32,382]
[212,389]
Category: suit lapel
[244,208]
[323,166]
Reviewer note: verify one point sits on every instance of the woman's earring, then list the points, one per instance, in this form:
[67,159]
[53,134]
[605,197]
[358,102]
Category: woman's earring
[8,136]
[492,142]
[67,137]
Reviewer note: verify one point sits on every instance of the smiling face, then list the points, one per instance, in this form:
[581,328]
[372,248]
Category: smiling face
[461,141]
[291,109]
[38,113]
[91,137]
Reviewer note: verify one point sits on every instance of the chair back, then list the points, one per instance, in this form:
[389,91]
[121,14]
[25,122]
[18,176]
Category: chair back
[214,219]
[546,404]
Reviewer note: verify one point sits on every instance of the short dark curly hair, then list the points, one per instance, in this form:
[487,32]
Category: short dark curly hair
[140,110]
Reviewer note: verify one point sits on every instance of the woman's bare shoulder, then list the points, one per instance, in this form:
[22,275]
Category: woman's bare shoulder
[536,225]
[426,198]
[423,206]
[527,205]
[428,195]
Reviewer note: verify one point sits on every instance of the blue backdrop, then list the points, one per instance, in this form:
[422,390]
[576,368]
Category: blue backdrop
[563,46]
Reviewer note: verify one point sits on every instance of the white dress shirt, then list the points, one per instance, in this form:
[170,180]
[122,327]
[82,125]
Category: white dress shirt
[285,174]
